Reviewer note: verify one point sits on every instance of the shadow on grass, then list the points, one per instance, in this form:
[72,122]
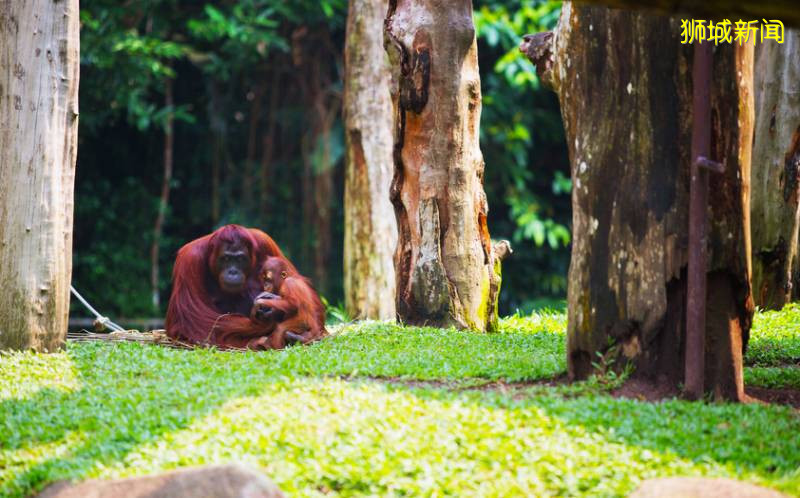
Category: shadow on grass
[752,437]
[134,399]
[128,396]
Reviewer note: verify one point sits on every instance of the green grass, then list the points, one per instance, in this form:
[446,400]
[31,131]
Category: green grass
[775,338]
[316,419]
[773,353]
[773,377]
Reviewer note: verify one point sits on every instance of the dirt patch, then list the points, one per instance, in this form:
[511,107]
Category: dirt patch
[467,384]
[645,390]
[790,397]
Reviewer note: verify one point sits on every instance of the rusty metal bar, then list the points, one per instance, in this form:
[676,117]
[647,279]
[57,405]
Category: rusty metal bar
[713,166]
[698,204]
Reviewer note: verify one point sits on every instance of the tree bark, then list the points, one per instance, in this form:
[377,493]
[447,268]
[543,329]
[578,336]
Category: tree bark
[323,194]
[218,129]
[370,228]
[163,203]
[624,82]
[748,10]
[39,72]
[776,173]
[249,167]
[444,263]
[268,148]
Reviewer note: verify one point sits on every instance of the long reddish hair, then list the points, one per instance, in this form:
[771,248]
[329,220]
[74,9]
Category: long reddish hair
[304,313]
[191,314]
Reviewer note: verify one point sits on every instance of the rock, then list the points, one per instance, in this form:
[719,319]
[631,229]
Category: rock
[215,481]
[700,487]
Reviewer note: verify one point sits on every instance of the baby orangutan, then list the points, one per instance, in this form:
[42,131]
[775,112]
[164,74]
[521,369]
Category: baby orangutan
[290,302]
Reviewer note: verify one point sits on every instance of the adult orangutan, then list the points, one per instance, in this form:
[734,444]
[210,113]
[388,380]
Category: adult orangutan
[214,284]
[290,302]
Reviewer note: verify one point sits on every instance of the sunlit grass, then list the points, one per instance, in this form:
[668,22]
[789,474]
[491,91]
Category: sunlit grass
[773,377]
[23,373]
[775,338]
[319,420]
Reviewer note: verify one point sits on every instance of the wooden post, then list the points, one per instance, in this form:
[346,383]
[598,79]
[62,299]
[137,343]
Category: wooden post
[39,64]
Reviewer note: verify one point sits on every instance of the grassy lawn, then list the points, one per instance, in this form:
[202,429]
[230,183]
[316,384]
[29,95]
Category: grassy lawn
[322,420]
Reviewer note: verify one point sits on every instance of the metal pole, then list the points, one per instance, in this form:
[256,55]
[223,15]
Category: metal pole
[698,204]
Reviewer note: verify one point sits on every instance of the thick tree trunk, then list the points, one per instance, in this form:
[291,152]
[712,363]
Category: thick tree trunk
[785,10]
[624,82]
[776,173]
[163,202]
[370,229]
[444,260]
[39,65]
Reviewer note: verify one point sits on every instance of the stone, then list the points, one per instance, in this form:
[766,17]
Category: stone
[700,487]
[214,481]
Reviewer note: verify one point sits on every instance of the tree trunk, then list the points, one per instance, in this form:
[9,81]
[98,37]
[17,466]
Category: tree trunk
[268,148]
[624,82]
[163,203]
[218,130]
[776,173]
[323,195]
[250,163]
[315,57]
[444,263]
[39,67]
[785,10]
[370,228]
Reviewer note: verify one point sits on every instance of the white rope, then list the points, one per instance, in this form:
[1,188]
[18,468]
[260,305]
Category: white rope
[103,320]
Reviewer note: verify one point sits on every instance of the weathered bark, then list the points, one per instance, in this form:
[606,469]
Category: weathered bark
[624,83]
[538,47]
[39,65]
[163,202]
[370,229]
[444,259]
[776,173]
[785,10]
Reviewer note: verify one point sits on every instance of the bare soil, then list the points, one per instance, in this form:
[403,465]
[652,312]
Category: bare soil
[645,390]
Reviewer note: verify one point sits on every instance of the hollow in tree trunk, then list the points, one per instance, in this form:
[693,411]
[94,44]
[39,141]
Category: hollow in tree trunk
[370,228]
[39,65]
[444,263]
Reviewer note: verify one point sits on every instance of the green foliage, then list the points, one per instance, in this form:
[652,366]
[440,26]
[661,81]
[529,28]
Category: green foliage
[775,338]
[335,314]
[381,349]
[126,55]
[526,161]
[111,270]
[317,419]
[221,58]
[773,377]
[230,63]
[502,24]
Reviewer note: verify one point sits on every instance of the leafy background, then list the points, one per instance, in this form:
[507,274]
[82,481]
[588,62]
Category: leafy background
[258,84]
